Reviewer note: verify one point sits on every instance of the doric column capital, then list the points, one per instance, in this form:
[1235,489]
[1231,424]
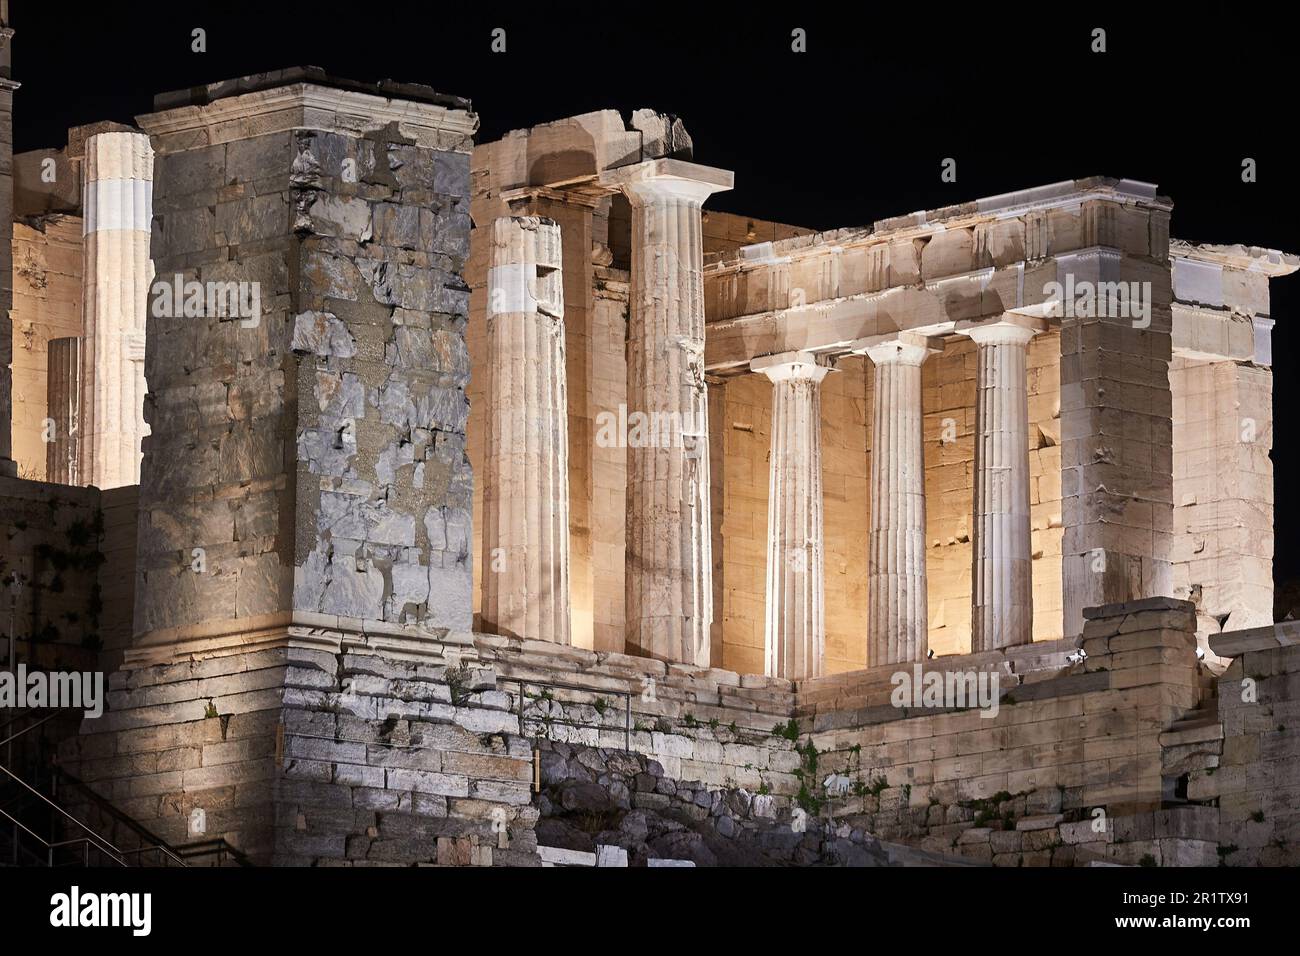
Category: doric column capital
[658,179]
[1010,328]
[900,348]
[791,366]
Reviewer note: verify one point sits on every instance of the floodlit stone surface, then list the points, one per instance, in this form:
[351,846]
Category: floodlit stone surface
[795,634]
[896,600]
[1002,608]
[118,197]
[301,668]
[309,459]
[525,570]
[64,403]
[669,544]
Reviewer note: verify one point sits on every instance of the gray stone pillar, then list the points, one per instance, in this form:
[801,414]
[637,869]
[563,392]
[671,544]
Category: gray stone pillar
[1116,425]
[1002,586]
[7,88]
[525,567]
[669,548]
[116,274]
[897,623]
[306,464]
[795,633]
[63,399]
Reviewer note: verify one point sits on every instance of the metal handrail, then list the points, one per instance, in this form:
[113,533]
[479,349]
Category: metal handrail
[107,847]
[24,716]
[153,841]
[38,723]
[84,842]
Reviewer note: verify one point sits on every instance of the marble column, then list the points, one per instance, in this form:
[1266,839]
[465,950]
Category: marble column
[63,399]
[117,273]
[1002,589]
[669,549]
[795,633]
[525,567]
[897,620]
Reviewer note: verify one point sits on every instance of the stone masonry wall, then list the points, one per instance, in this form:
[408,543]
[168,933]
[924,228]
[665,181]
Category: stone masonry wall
[1250,758]
[47,305]
[53,541]
[1116,758]
[315,455]
[304,756]
[1223,492]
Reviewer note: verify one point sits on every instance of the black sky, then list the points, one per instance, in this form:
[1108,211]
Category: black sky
[852,131]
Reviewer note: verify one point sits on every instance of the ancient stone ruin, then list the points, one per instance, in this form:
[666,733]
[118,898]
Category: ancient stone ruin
[498,503]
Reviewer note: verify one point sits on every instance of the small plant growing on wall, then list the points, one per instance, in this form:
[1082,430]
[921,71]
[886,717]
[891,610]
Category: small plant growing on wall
[789,730]
[457,679]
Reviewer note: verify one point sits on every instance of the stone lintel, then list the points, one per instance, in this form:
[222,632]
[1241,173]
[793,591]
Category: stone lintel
[1271,262]
[586,192]
[1267,638]
[1123,608]
[219,116]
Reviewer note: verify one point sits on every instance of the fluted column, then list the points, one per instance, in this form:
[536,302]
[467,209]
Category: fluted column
[117,273]
[669,551]
[63,399]
[795,634]
[1002,590]
[896,588]
[525,567]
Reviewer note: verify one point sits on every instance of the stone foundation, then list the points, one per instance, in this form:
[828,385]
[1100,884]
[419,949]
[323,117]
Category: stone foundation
[330,752]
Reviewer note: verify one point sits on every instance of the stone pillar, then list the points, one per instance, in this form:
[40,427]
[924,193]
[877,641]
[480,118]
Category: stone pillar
[525,569]
[1116,422]
[795,633]
[117,272]
[306,462]
[1002,589]
[63,399]
[7,88]
[896,588]
[669,549]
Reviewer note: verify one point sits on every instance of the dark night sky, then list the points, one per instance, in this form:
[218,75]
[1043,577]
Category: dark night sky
[852,131]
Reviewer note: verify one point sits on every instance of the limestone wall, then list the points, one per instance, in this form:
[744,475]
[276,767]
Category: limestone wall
[949,404]
[1117,758]
[1252,754]
[1223,491]
[120,510]
[47,305]
[315,454]
[304,756]
[53,541]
